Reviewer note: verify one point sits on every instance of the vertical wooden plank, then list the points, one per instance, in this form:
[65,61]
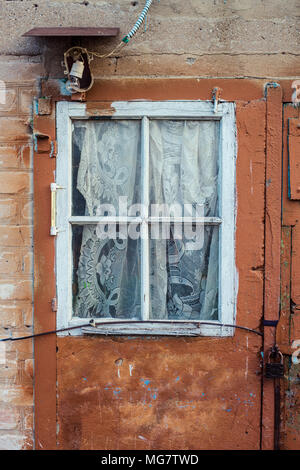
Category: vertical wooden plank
[294,174]
[289,316]
[293,157]
[289,207]
[294,166]
[282,332]
[44,291]
[295,282]
[283,327]
[291,213]
[272,247]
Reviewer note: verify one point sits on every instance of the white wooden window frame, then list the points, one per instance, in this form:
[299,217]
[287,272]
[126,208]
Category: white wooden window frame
[145,110]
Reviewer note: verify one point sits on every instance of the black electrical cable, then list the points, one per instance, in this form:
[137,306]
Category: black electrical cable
[92,323]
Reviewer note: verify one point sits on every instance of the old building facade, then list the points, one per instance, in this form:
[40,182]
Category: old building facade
[90,391]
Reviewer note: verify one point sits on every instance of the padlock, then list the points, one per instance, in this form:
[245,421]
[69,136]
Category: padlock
[275,369]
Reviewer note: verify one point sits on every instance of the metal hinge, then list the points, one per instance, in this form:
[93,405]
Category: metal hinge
[53,151]
[54,304]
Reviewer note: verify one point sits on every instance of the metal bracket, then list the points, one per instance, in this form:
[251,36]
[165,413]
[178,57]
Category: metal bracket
[270,323]
[53,229]
[216,96]
[44,144]
[53,151]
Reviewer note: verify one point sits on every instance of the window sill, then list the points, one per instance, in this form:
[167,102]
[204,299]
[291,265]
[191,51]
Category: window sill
[157,329]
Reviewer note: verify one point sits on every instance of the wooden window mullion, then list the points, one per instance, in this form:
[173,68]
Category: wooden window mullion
[145,288]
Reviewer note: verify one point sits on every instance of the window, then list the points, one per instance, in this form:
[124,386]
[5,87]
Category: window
[146,217]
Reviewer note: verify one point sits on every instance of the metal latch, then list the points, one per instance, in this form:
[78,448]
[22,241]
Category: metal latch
[54,187]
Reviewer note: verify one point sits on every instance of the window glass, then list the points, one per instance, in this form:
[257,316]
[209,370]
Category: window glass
[106,275]
[108,159]
[184,273]
[106,165]
[184,163]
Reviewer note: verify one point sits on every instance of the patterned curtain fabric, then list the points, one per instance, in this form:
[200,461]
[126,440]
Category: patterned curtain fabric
[108,270]
[183,169]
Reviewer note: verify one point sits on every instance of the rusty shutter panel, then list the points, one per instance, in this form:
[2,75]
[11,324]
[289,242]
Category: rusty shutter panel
[294,158]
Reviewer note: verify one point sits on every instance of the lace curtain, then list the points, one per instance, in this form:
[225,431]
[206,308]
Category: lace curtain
[183,169]
[108,271]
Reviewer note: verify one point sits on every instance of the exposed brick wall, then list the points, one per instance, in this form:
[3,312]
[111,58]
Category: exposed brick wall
[16,388]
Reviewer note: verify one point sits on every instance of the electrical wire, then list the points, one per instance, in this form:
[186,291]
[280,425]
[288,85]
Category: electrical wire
[103,56]
[76,53]
[138,23]
[128,36]
[122,322]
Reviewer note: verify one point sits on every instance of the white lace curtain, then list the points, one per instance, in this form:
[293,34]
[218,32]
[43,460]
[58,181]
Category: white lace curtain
[108,270]
[183,169]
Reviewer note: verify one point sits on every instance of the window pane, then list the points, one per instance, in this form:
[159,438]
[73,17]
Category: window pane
[106,274]
[184,164]
[105,165]
[184,274]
